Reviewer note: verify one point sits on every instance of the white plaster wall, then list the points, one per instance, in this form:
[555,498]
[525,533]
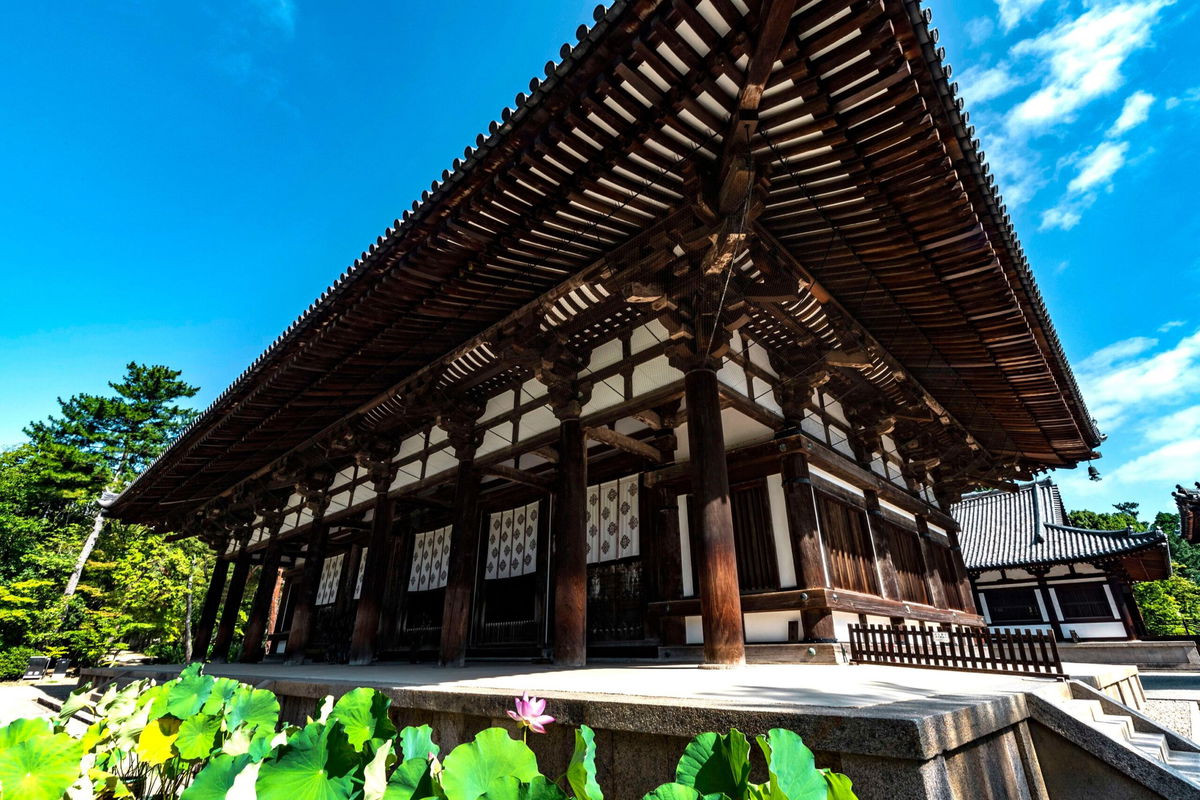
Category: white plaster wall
[685,547]
[770,626]
[780,532]
[842,620]
[834,479]
[653,374]
[693,630]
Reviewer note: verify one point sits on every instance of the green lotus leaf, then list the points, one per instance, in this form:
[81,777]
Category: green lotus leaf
[542,788]
[840,787]
[581,772]
[364,714]
[412,780]
[375,775]
[188,693]
[76,701]
[790,764]
[678,791]
[156,743]
[36,763]
[471,767]
[716,764]
[309,767]
[197,735]
[503,787]
[223,689]
[214,781]
[324,708]
[107,784]
[253,708]
[417,742]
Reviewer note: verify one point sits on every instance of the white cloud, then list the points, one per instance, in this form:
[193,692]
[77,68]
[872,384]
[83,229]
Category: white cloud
[1063,217]
[1133,113]
[1182,424]
[1177,462]
[1012,12]
[1188,97]
[1166,326]
[1127,377]
[980,86]
[979,30]
[1097,167]
[1085,57]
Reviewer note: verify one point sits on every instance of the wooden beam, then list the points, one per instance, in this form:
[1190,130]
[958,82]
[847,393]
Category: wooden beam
[774,18]
[622,442]
[519,476]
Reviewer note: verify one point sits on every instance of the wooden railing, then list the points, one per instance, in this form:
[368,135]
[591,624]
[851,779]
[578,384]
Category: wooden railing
[1027,652]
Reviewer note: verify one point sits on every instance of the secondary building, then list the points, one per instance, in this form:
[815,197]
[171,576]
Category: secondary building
[1030,569]
[697,343]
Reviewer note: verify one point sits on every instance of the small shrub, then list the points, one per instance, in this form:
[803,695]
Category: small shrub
[14,661]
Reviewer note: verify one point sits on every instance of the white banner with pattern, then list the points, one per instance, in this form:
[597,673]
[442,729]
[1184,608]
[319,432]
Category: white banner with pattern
[430,561]
[512,542]
[613,520]
[331,573]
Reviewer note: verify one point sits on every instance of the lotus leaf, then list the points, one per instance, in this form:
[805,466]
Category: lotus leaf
[364,714]
[581,772]
[254,708]
[156,742]
[307,768]
[471,767]
[215,780]
[791,766]
[35,762]
[197,735]
[716,764]
[417,742]
[188,694]
[412,780]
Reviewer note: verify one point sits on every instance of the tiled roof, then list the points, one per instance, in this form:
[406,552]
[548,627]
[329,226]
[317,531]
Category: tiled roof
[1028,527]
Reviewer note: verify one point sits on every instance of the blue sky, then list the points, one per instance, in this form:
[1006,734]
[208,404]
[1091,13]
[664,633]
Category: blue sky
[183,179]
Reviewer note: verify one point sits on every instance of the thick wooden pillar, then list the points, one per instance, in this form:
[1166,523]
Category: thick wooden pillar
[260,609]
[965,591]
[933,578]
[570,545]
[364,641]
[720,596]
[233,603]
[306,594]
[800,503]
[464,560]
[668,551]
[208,612]
[889,581]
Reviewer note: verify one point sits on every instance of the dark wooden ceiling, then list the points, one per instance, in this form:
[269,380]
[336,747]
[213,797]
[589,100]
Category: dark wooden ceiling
[875,186]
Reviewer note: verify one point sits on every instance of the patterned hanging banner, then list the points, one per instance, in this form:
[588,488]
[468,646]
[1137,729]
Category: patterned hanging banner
[331,571]
[430,561]
[613,520]
[362,570]
[512,542]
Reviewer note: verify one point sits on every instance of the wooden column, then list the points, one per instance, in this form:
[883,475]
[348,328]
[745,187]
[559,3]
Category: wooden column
[233,602]
[965,590]
[570,543]
[370,602]
[672,629]
[800,503]
[464,548]
[260,609]
[889,583]
[933,578]
[208,612]
[306,594]
[720,596]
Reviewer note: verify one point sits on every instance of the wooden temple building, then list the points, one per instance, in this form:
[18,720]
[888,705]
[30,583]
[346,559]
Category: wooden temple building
[696,344]
[1032,570]
[1188,503]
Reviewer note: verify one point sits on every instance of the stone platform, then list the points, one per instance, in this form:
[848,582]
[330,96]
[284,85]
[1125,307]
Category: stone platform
[897,732]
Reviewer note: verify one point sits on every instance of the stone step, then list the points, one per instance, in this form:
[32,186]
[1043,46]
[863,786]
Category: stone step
[1152,744]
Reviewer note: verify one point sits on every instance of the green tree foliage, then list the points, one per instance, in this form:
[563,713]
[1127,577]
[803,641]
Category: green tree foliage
[133,590]
[1168,607]
[127,430]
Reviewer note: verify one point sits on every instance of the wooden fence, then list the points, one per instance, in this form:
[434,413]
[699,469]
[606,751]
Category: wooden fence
[1026,652]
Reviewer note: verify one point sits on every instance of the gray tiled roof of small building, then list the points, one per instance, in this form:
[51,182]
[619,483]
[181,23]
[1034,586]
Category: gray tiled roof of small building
[1028,527]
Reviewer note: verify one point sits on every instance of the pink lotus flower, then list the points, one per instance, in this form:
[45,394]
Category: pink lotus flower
[531,713]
